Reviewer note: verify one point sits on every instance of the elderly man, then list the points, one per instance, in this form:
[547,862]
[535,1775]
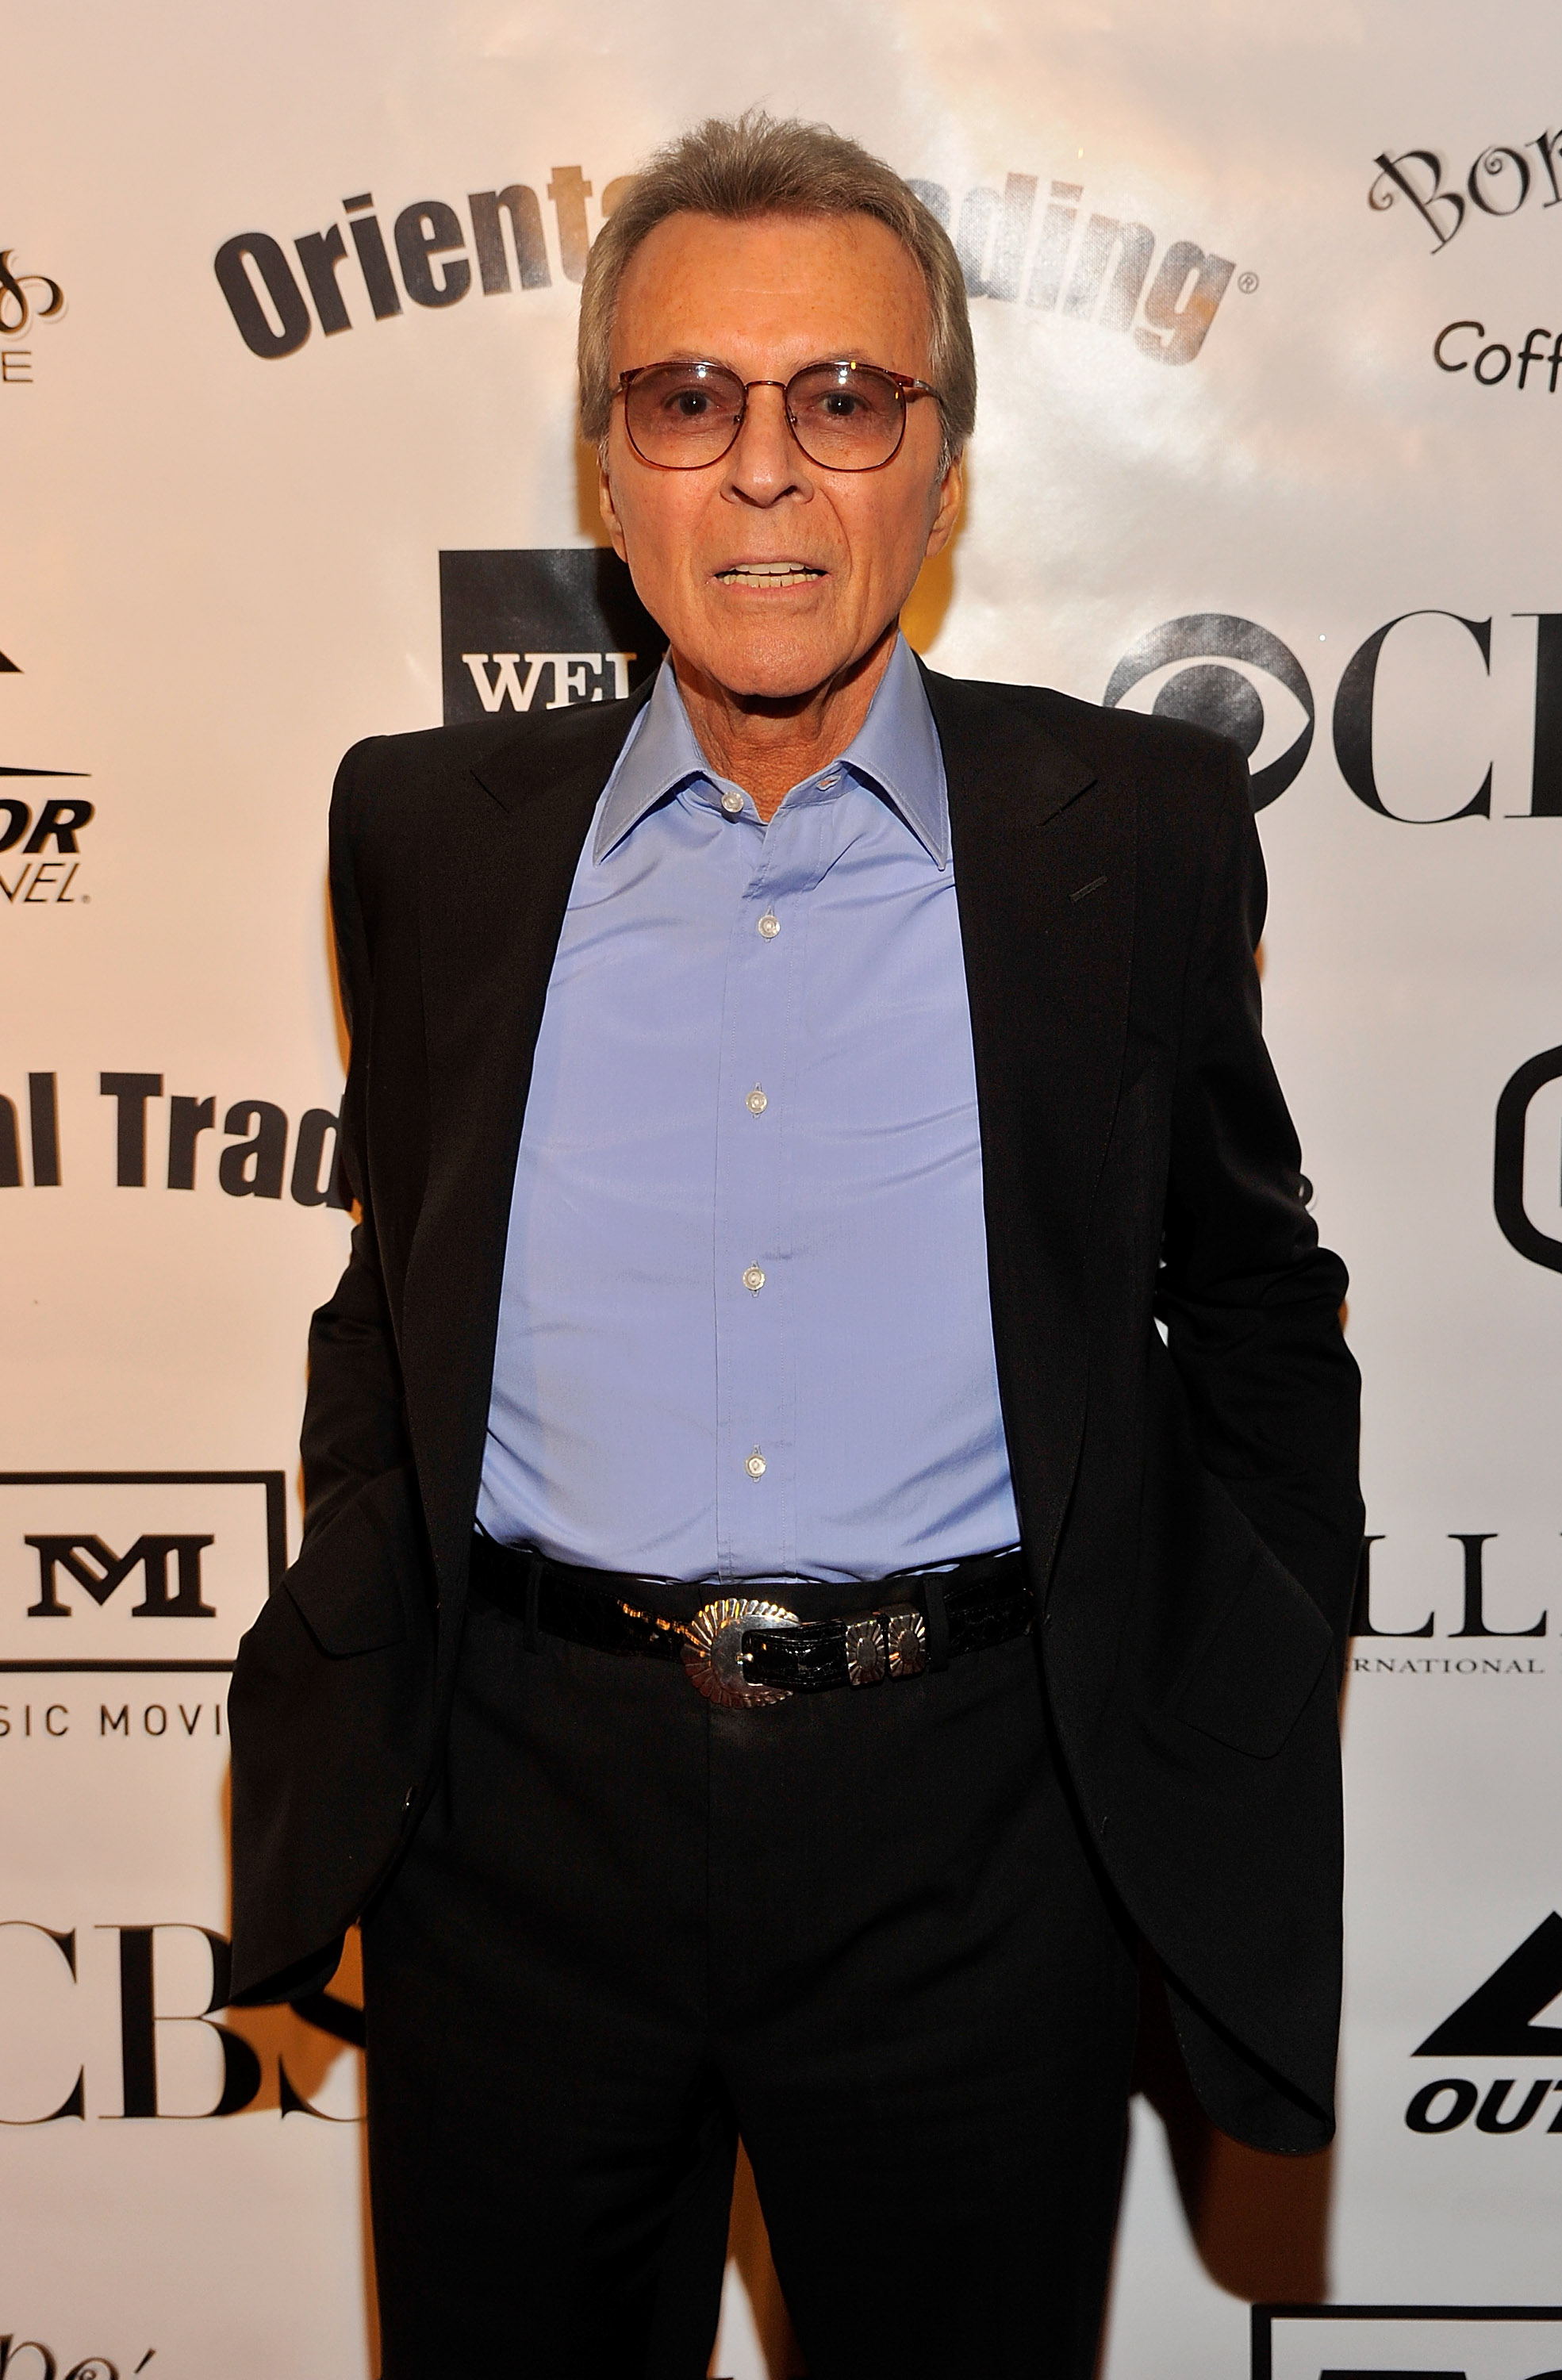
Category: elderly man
[778,1627]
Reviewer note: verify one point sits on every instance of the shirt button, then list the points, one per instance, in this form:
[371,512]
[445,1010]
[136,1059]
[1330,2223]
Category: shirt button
[770,925]
[731,804]
[757,1102]
[753,1279]
[754,1466]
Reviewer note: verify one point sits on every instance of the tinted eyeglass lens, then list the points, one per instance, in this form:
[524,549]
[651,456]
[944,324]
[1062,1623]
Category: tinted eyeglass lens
[845,418]
[682,414]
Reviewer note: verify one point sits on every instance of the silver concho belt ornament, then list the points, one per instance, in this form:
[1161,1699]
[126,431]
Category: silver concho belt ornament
[713,1650]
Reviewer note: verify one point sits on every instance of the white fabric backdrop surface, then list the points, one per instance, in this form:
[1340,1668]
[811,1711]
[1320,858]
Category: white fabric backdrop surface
[1214,249]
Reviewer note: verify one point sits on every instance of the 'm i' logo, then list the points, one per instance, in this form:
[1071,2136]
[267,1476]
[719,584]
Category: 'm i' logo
[135,1570]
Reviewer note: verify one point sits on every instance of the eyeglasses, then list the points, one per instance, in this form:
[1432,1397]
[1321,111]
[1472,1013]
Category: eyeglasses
[845,415]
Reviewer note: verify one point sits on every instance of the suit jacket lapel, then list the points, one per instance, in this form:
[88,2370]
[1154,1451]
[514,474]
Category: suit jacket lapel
[492,909]
[1044,861]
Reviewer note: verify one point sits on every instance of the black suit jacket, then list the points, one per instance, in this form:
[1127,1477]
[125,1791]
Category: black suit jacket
[1189,1509]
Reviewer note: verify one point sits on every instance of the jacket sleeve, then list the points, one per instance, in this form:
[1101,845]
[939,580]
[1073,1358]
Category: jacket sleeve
[1251,1302]
[353,1430]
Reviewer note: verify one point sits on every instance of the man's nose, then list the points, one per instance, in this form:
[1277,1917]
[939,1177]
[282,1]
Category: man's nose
[766,462]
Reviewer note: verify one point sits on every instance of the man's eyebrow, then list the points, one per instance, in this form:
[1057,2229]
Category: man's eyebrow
[844,355]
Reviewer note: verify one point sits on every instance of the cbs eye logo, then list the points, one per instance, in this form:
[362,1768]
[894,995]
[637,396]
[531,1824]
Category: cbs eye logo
[1522,1149]
[1207,668]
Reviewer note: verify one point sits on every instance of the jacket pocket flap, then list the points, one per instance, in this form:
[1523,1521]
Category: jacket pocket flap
[1248,1682]
[354,1583]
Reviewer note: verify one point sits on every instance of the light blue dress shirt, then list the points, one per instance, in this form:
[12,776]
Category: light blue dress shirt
[744,1328]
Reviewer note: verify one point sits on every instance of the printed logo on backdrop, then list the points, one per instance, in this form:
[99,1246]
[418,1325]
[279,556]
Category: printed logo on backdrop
[544,628]
[1238,678]
[263,1152]
[39,839]
[1436,195]
[1501,2020]
[1079,265]
[1084,267]
[129,1571]
[1499,183]
[1194,659]
[1517,1178]
[1406,2342]
[1476,1621]
[28,302]
[29,2358]
[156,1991]
[503,234]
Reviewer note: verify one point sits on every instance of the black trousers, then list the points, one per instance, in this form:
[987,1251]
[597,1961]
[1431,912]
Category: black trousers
[859,1927]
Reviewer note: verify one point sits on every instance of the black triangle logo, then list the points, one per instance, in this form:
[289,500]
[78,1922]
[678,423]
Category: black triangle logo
[1494,2021]
[6,664]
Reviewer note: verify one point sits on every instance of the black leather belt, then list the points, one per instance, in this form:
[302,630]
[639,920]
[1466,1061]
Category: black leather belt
[746,1649]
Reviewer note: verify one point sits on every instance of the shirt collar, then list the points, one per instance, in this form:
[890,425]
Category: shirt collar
[895,752]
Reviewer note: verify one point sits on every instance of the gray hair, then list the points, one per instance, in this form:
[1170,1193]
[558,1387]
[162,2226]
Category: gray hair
[753,166]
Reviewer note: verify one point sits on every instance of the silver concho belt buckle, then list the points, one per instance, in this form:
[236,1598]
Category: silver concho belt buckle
[713,1650]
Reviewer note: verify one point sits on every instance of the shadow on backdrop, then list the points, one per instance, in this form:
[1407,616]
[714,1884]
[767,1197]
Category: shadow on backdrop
[930,597]
[1259,2223]
[749,2249]
[587,507]
[295,2047]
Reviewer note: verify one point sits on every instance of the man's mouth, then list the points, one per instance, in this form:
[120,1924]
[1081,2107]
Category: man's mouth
[766,575]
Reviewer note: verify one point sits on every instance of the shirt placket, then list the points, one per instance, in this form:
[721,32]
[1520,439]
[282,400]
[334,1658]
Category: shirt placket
[754,1291]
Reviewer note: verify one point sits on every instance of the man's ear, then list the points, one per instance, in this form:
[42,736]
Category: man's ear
[609,510]
[946,510]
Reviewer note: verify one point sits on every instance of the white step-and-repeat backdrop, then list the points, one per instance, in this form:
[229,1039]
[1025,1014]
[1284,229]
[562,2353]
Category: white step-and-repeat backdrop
[1269,320]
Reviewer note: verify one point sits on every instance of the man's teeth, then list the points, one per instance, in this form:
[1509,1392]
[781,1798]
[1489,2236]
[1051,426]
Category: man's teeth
[770,574]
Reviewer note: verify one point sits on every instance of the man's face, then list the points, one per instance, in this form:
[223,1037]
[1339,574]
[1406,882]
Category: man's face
[767,297]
